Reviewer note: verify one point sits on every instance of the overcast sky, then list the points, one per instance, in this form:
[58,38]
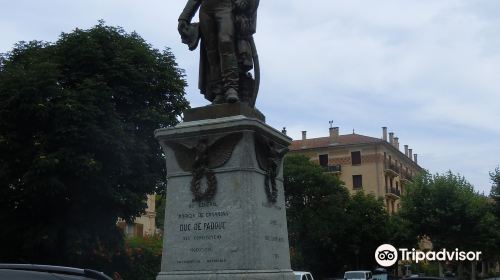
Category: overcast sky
[429,70]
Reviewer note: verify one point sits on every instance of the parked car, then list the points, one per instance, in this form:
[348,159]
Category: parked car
[358,275]
[423,278]
[380,274]
[48,272]
[303,275]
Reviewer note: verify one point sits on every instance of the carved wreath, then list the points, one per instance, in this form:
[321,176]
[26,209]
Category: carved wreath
[202,158]
[269,157]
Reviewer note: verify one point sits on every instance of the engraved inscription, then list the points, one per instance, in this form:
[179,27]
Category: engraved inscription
[216,261]
[207,237]
[186,215]
[203,224]
[274,238]
[188,261]
[202,250]
[202,204]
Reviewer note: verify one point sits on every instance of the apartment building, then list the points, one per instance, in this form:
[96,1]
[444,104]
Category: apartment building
[374,165]
[144,224]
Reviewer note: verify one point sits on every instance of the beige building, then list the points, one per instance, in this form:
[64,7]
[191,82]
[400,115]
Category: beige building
[143,225]
[374,165]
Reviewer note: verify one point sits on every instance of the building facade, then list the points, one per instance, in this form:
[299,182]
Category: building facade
[144,224]
[374,165]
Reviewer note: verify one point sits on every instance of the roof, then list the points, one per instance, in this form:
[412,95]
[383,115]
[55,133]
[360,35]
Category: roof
[47,272]
[324,142]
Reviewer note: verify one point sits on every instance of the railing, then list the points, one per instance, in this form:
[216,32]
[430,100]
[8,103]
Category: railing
[407,176]
[394,167]
[333,168]
[393,190]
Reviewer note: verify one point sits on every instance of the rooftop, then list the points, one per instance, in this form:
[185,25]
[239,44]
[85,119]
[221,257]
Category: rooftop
[323,142]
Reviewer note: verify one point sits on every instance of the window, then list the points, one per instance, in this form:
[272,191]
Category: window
[134,230]
[357,181]
[323,160]
[356,157]
[129,230]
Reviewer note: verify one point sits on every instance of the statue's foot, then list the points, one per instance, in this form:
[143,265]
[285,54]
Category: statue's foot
[219,99]
[232,96]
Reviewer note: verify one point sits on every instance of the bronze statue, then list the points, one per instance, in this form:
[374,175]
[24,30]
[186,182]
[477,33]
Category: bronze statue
[228,52]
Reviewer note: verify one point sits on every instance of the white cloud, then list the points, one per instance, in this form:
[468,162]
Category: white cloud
[421,66]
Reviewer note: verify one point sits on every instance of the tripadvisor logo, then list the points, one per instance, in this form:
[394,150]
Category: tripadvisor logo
[387,255]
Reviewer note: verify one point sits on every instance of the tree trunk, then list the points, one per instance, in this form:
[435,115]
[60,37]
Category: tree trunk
[460,271]
[473,270]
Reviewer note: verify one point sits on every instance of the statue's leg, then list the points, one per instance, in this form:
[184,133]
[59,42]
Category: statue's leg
[227,49]
[208,26]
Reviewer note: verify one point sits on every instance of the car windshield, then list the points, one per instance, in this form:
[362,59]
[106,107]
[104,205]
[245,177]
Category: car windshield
[354,275]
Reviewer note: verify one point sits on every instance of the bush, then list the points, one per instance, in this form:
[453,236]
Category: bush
[142,258]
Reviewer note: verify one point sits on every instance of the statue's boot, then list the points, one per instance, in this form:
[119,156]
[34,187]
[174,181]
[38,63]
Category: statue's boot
[232,96]
[219,99]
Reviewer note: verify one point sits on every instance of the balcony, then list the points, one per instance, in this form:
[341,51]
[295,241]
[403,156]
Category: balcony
[337,168]
[392,169]
[392,192]
[406,178]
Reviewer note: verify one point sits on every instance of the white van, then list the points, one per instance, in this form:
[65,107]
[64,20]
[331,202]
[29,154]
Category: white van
[303,275]
[358,275]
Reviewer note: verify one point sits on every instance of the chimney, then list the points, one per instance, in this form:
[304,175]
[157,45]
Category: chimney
[416,158]
[334,134]
[384,133]
[406,150]
[410,153]
[304,135]
[391,137]
[396,142]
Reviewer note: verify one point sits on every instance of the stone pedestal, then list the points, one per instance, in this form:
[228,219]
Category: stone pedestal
[225,214]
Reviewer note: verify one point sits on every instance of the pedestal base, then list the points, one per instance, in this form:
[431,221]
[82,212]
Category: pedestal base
[225,212]
[228,275]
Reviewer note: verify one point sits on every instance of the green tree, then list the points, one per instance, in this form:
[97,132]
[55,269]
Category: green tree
[142,257]
[495,196]
[495,191]
[448,210]
[367,229]
[329,230]
[399,233]
[316,204]
[76,141]
[160,203]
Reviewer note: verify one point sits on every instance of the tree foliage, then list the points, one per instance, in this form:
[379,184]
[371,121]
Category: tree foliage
[142,258]
[316,204]
[495,196]
[76,137]
[367,228]
[448,210]
[329,231]
[495,191]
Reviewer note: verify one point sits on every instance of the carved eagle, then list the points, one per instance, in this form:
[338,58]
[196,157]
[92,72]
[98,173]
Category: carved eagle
[210,153]
[267,151]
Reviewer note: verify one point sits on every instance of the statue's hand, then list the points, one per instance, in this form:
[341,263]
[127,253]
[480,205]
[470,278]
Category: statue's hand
[181,27]
[240,5]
